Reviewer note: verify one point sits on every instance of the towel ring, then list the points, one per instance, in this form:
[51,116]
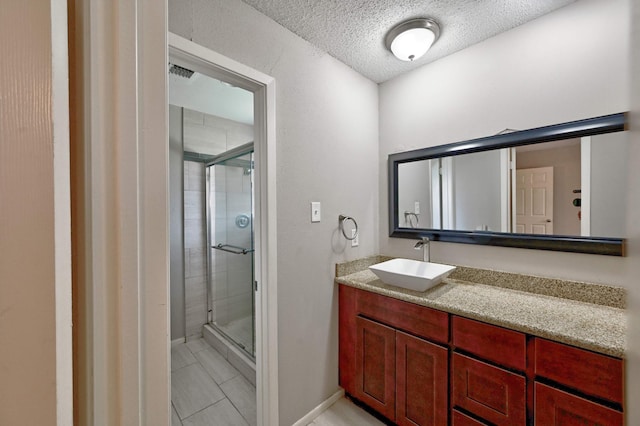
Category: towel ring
[408,216]
[341,220]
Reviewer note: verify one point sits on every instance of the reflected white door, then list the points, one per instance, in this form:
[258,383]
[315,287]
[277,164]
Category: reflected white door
[534,201]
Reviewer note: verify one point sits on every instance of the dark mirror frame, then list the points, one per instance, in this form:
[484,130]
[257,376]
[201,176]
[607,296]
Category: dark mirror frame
[575,129]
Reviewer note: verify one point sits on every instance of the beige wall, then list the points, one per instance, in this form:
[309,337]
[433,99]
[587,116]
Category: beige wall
[27,273]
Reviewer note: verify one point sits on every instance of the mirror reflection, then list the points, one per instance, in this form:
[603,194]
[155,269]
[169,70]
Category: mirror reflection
[571,187]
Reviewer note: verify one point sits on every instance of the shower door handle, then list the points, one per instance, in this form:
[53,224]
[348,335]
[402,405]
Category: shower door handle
[232,249]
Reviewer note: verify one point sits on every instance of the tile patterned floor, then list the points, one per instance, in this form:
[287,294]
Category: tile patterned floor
[208,391]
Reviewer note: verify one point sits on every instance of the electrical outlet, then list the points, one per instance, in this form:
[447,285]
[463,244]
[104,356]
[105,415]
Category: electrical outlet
[416,207]
[354,242]
[315,211]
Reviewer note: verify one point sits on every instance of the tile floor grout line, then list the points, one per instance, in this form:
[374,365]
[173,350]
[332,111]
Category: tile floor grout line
[237,409]
[238,374]
[173,407]
[213,378]
[185,366]
[199,411]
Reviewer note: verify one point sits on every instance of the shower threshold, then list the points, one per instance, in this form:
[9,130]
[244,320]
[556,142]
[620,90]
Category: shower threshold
[237,356]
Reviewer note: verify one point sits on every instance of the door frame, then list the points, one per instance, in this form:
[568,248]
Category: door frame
[203,60]
[118,55]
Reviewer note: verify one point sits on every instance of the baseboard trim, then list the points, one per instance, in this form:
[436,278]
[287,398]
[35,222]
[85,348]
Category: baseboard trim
[311,415]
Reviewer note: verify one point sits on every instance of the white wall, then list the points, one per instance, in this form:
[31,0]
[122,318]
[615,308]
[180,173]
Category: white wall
[327,138]
[545,72]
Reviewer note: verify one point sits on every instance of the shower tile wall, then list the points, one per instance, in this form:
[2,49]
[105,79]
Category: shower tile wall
[194,248]
[208,134]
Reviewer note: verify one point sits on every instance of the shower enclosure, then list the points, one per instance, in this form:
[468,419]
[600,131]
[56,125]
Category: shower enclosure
[230,242]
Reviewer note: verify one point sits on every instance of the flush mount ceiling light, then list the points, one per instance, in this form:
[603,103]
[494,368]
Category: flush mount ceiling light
[411,39]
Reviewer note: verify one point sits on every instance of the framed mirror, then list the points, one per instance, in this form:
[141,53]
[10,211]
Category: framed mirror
[560,187]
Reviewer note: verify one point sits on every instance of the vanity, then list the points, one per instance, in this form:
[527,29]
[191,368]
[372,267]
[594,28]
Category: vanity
[480,349]
[484,347]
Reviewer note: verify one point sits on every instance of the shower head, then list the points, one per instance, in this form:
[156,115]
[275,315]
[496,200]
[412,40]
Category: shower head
[180,71]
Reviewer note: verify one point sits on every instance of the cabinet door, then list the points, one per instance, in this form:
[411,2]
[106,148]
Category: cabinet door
[489,392]
[375,366]
[421,382]
[556,407]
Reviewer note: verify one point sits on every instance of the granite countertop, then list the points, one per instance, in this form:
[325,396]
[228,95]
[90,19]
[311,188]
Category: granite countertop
[598,324]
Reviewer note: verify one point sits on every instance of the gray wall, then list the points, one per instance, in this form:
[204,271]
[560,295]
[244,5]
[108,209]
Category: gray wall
[544,72]
[414,184]
[327,140]
[476,191]
[176,224]
[609,155]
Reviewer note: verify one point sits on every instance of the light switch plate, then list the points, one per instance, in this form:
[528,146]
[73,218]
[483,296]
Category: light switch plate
[315,211]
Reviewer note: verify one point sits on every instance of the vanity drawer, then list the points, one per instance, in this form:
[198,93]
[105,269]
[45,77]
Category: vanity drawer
[556,407]
[461,419]
[415,319]
[489,392]
[588,372]
[496,344]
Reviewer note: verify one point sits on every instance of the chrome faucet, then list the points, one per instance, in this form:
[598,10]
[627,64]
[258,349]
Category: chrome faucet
[424,245]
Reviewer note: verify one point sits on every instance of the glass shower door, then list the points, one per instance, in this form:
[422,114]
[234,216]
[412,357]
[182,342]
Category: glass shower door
[231,260]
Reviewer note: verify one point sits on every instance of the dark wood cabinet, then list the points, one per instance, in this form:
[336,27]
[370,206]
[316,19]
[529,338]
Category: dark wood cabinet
[376,366]
[492,393]
[481,383]
[505,347]
[394,357]
[581,386]
[594,374]
[400,376]
[554,407]
[382,364]
[421,382]
[461,419]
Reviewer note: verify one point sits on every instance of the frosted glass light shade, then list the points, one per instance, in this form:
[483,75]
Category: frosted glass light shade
[412,44]
[411,39]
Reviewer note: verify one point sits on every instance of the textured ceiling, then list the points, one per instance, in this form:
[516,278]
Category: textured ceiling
[353,30]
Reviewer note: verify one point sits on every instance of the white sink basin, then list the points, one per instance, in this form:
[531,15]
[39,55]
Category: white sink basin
[411,274]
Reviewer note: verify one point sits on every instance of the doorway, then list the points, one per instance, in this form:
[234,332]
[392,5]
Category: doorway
[250,234]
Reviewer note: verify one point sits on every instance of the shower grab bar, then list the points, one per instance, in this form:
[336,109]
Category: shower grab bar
[238,250]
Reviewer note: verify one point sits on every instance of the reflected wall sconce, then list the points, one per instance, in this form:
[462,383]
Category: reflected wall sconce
[411,39]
